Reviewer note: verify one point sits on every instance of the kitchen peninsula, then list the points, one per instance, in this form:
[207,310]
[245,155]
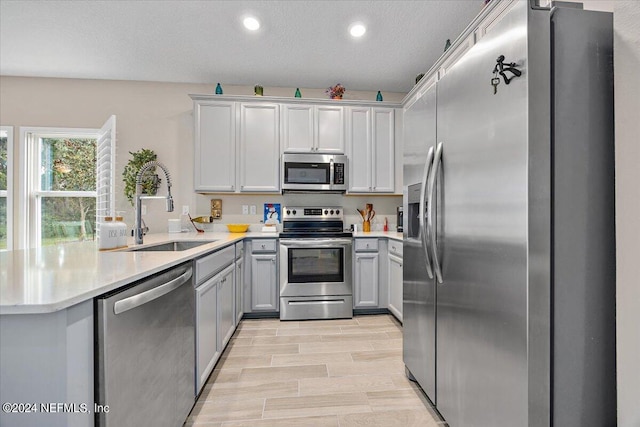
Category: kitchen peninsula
[47,313]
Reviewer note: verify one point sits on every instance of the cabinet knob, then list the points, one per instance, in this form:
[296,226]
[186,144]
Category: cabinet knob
[263,246]
[273,261]
[400,264]
[367,246]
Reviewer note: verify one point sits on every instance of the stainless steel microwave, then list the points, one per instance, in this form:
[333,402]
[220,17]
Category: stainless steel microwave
[314,172]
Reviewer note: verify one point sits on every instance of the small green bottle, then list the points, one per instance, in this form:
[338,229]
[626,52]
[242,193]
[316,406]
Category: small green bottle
[379,96]
[218,89]
[298,94]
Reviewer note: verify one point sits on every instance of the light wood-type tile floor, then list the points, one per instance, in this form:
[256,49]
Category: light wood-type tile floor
[324,373]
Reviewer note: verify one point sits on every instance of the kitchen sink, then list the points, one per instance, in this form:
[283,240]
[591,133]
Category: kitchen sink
[177,245]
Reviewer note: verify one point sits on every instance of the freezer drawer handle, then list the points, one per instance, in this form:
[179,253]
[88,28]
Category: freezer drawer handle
[437,161]
[316,302]
[147,296]
[421,214]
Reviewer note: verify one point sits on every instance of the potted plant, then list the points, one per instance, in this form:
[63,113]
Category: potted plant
[150,181]
[336,92]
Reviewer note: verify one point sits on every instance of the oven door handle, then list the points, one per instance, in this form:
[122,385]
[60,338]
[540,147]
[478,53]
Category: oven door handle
[306,243]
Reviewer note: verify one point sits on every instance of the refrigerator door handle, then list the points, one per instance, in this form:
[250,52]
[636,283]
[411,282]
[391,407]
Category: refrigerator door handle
[422,214]
[437,161]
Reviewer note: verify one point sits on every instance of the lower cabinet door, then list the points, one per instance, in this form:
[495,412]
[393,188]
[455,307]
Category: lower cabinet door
[366,280]
[226,307]
[395,286]
[264,286]
[207,353]
[239,290]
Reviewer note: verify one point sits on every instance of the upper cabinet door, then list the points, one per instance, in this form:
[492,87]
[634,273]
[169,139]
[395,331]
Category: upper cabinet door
[259,148]
[312,129]
[371,141]
[297,128]
[329,129]
[359,140]
[383,137]
[215,139]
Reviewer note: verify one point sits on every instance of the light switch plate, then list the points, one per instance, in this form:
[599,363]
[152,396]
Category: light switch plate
[254,210]
[185,209]
[245,209]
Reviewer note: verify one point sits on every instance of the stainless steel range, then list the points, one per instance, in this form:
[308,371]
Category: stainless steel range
[315,264]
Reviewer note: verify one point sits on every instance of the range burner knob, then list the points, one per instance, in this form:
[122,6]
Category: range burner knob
[331,211]
[288,212]
[326,212]
[337,211]
[294,211]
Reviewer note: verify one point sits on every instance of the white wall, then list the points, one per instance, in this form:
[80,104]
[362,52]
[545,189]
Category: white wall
[149,115]
[626,23]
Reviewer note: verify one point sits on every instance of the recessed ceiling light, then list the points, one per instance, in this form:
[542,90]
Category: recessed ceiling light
[357,29]
[251,23]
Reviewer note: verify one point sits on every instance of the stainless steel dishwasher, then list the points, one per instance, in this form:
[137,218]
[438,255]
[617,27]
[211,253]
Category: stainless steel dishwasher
[145,351]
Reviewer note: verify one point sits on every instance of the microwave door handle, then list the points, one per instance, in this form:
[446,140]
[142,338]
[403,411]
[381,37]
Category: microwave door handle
[331,174]
[421,211]
[437,162]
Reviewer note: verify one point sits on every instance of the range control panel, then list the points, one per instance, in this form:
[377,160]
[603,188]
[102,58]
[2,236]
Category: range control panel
[311,213]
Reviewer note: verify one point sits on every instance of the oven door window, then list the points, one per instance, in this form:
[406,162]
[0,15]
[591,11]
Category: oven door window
[313,265]
[307,173]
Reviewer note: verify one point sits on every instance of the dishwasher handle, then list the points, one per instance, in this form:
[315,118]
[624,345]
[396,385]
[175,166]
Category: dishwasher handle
[154,293]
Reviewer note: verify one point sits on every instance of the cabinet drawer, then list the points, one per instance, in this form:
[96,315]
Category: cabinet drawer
[212,263]
[366,245]
[395,247]
[263,245]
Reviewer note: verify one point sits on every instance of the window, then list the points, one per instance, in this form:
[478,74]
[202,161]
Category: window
[69,183]
[6,180]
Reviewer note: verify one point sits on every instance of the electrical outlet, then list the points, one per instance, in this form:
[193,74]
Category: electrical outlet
[245,209]
[185,210]
[254,210]
[144,209]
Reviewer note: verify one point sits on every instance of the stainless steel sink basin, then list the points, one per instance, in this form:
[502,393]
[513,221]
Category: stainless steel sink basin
[178,245]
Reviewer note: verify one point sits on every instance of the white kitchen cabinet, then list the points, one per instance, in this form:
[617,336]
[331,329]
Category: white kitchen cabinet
[259,148]
[215,309]
[264,275]
[395,285]
[312,128]
[207,353]
[366,274]
[215,139]
[366,280]
[371,148]
[226,306]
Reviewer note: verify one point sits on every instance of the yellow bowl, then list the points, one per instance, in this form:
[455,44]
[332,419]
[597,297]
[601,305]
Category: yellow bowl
[238,228]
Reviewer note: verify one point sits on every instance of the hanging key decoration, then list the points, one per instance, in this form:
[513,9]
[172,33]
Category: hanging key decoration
[495,81]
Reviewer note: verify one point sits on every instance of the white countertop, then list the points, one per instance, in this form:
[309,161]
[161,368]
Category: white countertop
[388,234]
[52,278]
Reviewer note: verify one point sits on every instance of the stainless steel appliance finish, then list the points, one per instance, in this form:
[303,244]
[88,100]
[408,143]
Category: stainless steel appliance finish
[315,264]
[508,244]
[145,352]
[314,172]
[399,219]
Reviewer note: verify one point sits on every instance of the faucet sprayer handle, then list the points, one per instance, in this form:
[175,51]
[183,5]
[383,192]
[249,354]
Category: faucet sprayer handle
[169,204]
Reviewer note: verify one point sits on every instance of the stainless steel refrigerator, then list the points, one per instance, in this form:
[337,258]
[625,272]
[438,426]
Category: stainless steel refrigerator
[509,277]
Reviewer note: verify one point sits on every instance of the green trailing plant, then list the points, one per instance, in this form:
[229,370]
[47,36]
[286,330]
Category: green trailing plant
[150,181]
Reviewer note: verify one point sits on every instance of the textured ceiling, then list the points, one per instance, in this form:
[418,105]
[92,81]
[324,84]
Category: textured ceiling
[300,43]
